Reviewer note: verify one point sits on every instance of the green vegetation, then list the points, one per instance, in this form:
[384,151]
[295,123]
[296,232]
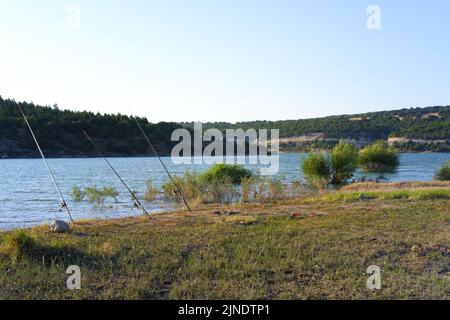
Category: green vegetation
[14,245]
[320,169]
[198,190]
[302,251]
[151,192]
[431,123]
[220,171]
[94,195]
[343,161]
[60,132]
[425,194]
[77,194]
[252,189]
[189,183]
[317,169]
[443,174]
[378,157]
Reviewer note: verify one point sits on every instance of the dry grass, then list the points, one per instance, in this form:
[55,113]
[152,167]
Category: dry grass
[281,251]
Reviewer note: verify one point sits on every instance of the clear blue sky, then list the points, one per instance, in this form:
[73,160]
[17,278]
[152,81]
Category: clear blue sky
[227,60]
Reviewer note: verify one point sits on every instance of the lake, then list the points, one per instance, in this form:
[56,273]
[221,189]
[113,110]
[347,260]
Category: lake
[28,197]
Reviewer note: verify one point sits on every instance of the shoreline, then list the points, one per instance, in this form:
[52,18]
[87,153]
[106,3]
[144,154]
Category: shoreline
[351,193]
[168,155]
[204,255]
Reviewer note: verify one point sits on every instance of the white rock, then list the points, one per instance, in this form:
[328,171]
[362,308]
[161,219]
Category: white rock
[59,226]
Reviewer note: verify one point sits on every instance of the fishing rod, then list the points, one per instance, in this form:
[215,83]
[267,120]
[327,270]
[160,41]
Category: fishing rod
[117,174]
[178,190]
[63,201]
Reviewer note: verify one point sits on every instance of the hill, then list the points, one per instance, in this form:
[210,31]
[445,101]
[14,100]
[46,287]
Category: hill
[60,131]
[419,129]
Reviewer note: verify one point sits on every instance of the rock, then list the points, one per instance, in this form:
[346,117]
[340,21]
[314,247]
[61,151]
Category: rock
[59,226]
[226,213]
[296,215]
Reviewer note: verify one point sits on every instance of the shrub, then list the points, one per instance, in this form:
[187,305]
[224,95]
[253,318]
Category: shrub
[197,189]
[443,174]
[220,190]
[190,185]
[94,195]
[219,171]
[378,157]
[247,186]
[344,161]
[317,170]
[276,189]
[77,194]
[99,195]
[151,192]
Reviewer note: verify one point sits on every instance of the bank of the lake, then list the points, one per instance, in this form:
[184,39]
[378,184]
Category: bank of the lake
[318,248]
[28,197]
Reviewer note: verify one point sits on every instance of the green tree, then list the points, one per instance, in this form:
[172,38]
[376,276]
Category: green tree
[443,174]
[344,162]
[317,170]
[378,157]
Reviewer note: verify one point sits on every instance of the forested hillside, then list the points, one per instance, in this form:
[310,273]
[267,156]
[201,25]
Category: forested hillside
[421,123]
[60,132]
[428,129]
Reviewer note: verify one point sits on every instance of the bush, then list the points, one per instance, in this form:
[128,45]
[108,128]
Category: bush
[220,171]
[276,190]
[220,190]
[344,161]
[443,174]
[317,170]
[151,192]
[190,185]
[94,195]
[378,157]
[247,187]
[77,194]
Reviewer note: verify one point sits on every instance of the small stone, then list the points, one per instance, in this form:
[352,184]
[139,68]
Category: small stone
[59,226]
[296,215]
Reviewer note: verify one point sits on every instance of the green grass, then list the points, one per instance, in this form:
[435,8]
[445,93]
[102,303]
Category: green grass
[420,194]
[261,253]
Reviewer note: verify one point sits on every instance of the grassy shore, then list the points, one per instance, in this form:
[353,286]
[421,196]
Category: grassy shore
[300,249]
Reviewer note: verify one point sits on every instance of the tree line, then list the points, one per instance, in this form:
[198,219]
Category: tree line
[430,123]
[60,131]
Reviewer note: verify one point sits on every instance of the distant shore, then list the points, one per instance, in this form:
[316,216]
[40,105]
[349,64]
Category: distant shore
[88,156]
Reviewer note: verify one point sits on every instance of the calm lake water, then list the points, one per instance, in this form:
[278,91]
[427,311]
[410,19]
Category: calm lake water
[28,197]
